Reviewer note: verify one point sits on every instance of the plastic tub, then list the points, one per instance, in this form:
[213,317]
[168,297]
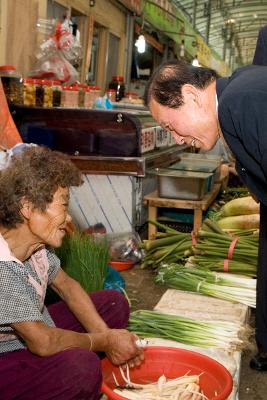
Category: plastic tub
[215,381]
[121,265]
[207,160]
[185,185]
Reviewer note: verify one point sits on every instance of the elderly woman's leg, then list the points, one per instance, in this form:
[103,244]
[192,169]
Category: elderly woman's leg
[70,374]
[110,304]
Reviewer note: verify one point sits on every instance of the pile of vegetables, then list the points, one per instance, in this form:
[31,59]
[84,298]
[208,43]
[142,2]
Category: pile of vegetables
[168,246]
[217,250]
[239,213]
[231,193]
[230,287]
[222,334]
[185,387]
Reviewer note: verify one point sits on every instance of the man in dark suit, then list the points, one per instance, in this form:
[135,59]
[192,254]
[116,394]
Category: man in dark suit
[198,108]
[260,56]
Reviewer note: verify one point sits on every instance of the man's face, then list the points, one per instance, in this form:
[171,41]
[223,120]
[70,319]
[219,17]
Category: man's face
[196,120]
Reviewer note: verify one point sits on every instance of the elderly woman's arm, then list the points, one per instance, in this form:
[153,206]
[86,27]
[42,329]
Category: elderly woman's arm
[43,340]
[78,302]
[119,344]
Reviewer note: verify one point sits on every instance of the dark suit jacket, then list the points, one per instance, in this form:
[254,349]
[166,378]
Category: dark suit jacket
[242,112]
[260,56]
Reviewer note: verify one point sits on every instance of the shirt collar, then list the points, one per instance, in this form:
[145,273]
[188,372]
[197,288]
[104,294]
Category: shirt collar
[5,253]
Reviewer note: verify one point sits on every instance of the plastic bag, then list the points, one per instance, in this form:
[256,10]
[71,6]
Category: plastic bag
[57,54]
[125,247]
[114,280]
[103,103]
[6,155]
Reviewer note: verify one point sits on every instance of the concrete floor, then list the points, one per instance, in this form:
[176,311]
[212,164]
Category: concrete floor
[144,294]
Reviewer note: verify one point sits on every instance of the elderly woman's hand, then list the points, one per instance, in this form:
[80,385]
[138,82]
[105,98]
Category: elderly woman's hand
[122,348]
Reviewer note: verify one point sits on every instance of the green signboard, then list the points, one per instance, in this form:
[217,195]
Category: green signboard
[167,19]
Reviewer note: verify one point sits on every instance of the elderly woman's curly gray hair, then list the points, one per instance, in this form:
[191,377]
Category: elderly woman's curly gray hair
[35,174]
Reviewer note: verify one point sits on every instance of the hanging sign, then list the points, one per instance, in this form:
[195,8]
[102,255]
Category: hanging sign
[169,20]
[133,5]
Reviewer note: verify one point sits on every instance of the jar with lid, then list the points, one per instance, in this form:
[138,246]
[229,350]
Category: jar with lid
[39,93]
[69,96]
[29,92]
[12,84]
[91,94]
[81,89]
[56,95]
[88,97]
[48,93]
[111,95]
[117,84]
[131,97]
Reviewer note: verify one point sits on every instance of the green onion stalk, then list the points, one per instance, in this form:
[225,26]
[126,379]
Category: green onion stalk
[168,246]
[218,265]
[222,334]
[235,288]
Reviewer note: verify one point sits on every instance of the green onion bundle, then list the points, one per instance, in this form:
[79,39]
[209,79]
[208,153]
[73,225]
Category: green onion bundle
[168,246]
[230,287]
[218,265]
[213,247]
[221,334]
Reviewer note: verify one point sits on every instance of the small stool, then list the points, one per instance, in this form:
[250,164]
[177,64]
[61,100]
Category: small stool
[154,202]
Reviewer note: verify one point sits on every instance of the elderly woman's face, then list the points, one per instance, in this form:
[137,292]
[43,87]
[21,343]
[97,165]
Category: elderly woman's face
[193,123]
[49,227]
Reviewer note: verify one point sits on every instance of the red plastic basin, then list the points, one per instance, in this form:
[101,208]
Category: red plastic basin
[215,381]
[121,265]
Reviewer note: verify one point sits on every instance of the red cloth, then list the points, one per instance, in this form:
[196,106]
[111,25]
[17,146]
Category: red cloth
[9,135]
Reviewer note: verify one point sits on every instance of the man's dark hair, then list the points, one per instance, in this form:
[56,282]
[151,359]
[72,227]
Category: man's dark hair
[166,83]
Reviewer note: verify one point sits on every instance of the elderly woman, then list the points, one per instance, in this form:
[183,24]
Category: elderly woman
[50,353]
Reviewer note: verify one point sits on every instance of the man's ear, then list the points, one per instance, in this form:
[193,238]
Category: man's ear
[191,94]
[25,208]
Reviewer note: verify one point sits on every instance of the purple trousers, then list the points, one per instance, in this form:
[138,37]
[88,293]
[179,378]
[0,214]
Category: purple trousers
[70,374]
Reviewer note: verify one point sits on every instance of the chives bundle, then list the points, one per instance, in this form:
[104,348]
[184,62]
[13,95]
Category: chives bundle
[221,334]
[85,259]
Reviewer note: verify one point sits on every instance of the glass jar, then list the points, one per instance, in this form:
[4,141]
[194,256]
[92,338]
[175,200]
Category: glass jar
[12,84]
[117,84]
[81,89]
[39,93]
[131,97]
[111,95]
[69,96]
[48,93]
[88,97]
[91,94]
[56,95]
[29,92]
[96,93]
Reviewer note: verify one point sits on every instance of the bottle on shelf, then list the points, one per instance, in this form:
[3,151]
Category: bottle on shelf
[117,83]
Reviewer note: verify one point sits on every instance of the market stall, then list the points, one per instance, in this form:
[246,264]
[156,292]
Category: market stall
[115,150]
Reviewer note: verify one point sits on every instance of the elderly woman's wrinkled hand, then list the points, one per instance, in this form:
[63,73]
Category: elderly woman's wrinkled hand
[122,348]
